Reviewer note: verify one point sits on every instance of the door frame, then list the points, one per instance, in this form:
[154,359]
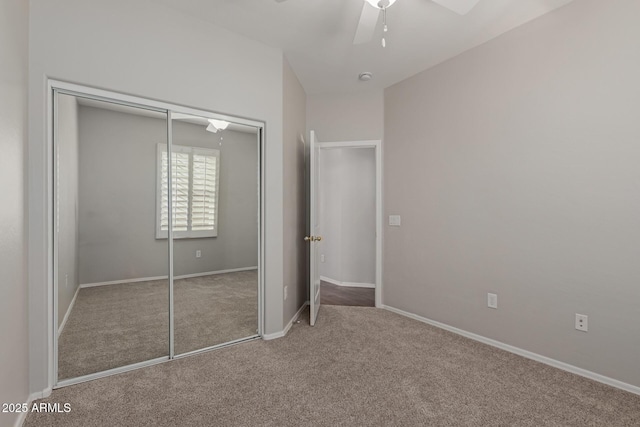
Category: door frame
[376,144]
[61,87]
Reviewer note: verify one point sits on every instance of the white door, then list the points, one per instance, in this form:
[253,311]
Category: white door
[314,229]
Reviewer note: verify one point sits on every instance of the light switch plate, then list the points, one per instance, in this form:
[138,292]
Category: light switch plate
[492,300]
[394,220]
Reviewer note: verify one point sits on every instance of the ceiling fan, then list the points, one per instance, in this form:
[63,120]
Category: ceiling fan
[372,8]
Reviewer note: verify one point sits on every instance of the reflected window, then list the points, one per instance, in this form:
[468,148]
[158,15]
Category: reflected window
[195,175]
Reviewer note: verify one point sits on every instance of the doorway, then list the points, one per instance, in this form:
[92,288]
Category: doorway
[346,220]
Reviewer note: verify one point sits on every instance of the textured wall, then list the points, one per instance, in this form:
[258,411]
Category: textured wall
[295,249]
[346,117]
[14,374]
[515,169]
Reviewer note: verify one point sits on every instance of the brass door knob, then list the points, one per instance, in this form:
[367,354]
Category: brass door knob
[308,238]
[317,238]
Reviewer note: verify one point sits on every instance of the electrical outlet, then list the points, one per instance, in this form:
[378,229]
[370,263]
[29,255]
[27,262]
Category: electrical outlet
[286,288]
[492,300]
[322,258]
[582,322]
[198,253]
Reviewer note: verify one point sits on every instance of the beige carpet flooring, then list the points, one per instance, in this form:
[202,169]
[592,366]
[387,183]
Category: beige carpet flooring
[358,366]
[118,325]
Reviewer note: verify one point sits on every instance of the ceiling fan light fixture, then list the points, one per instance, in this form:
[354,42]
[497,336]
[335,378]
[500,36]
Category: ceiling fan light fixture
[381,4]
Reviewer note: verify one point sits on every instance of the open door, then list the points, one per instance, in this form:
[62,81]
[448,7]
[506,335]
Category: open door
[314,229]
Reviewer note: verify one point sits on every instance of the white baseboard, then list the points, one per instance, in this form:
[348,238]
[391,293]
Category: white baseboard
[184,276]
[348,284]
[521,352]
[212,273]
[33,396]
[295,317]
[22,416]
[66,315]
[119,282]
[284,332]
[273,336]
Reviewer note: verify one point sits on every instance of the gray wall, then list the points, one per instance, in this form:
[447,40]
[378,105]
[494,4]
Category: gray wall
[117,214]
[330,211]
[515,169]
[346,117]
[67,204]
[348,214]
[14,375]
[295,249]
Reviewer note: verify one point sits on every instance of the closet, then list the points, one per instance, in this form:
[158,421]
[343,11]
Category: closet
[157,231]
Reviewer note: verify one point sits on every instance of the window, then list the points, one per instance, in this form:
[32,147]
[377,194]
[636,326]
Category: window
[195,172]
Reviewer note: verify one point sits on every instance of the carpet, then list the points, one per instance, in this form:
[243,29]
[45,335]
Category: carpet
[357,366]
[117,325]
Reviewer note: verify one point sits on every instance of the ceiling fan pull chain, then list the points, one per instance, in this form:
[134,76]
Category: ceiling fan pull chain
[384,19]
[384,29]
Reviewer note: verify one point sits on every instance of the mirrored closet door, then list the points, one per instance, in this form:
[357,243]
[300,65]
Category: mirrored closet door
[215,248]
[112,273]
[131,286]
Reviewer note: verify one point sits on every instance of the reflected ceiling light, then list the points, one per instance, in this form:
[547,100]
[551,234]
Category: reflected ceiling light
[220,124]
[216,125]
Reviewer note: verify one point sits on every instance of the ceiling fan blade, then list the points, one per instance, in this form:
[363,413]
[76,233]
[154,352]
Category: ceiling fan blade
[367,24]
[461,7]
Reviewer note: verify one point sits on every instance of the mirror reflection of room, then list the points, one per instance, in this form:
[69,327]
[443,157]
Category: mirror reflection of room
[113,287]
[215,249]
[112,207]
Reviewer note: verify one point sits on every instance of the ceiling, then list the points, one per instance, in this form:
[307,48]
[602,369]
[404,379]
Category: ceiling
[317,35]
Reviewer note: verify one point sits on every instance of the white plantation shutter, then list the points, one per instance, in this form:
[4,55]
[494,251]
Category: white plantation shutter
[204,192]
[195,173]
[180,193]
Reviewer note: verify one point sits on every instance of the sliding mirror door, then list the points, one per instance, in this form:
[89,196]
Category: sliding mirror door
[111,270]
[215,170]
[156,232]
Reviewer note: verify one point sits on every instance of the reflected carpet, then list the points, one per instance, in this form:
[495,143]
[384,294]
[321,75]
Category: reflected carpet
[117,325]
